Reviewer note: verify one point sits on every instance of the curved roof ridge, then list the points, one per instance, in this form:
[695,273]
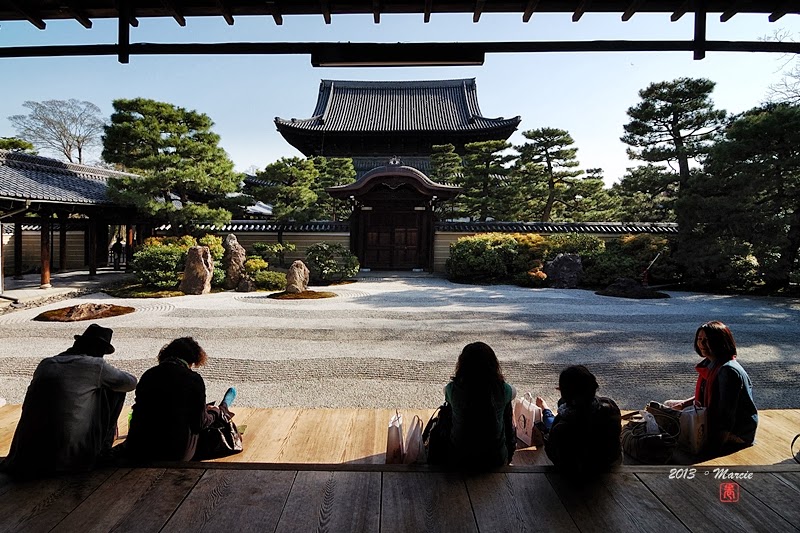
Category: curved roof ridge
[386,107]
[347,84]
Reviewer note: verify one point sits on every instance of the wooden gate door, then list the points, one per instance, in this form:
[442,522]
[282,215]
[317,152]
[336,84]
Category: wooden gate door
[392,240]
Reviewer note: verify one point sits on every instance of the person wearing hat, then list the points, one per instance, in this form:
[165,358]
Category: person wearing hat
[69,416]
[585,435]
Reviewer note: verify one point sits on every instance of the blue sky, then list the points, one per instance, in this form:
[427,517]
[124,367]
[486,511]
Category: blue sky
[586,94]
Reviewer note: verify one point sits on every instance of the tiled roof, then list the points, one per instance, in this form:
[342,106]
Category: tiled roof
[55,225]
[601,228]
[30,177]
[598,228]
[397,106]
[245,226]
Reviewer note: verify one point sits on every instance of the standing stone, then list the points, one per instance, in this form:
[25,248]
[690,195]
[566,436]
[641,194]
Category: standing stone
[233,261]
[297,278]
[198,272]
[564,271]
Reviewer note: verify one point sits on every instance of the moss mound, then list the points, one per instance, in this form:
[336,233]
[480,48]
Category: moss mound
[141,291]
[86,311]
[305,295]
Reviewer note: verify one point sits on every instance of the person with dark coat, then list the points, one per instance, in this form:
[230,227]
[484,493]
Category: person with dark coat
[482,435]
[170,409]
[585,435]
[69,415]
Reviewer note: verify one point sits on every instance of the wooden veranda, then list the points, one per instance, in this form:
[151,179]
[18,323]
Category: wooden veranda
[321,470]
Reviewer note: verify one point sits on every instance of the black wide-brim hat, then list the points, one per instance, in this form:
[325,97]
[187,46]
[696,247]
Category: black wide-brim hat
[96,335]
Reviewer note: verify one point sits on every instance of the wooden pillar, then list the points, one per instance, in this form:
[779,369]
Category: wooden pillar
[92,248]
[62,241]
[129,246]
[17,250]
[45,252]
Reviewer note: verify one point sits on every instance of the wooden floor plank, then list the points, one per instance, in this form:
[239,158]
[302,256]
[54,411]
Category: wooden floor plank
[517,502]
[234,500]
[140,499]
[333,501]
[779,492]
[696,502]
[613,502]
[266,436]
[431,502]
[9,416]
[530,455]
[39,505]
[318,435]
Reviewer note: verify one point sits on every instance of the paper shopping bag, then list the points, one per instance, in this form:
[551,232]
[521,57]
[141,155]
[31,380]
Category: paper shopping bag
[526,414]
[694,429]
[394,440]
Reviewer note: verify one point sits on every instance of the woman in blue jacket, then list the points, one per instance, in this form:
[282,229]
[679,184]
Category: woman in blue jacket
[724,388]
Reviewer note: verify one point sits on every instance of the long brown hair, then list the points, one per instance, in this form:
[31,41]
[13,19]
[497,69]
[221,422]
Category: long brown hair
[477,366]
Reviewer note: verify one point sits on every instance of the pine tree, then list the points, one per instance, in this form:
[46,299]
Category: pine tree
[333,171]
[486,187]
[675,121]
[547,173]
[182,168]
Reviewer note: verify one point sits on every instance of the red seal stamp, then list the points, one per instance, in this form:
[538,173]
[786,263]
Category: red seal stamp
[729,492]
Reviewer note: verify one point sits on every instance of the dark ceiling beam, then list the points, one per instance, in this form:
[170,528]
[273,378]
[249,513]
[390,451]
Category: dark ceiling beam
[80,16]
[427,13]
[124,31]
[732,10]
[225,10]
[275,11]
[581,9]
[779,11]
[530,7]
[469,48]
[681,11]
[700,18]
[376,11]
[476,14]
[631,10]
[175,12]
[132,20]
[30,15]
[325,8]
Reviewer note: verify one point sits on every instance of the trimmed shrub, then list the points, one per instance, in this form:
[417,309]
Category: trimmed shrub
[254,264]
[269,280]
[586,246]
[330,262]
[273,252]
[159,265]
[482,258]
[531,250]
[607,267]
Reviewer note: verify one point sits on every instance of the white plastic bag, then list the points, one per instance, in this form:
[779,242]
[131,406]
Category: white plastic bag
[526,414]
[414,448]
[694,429]
[395,452]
